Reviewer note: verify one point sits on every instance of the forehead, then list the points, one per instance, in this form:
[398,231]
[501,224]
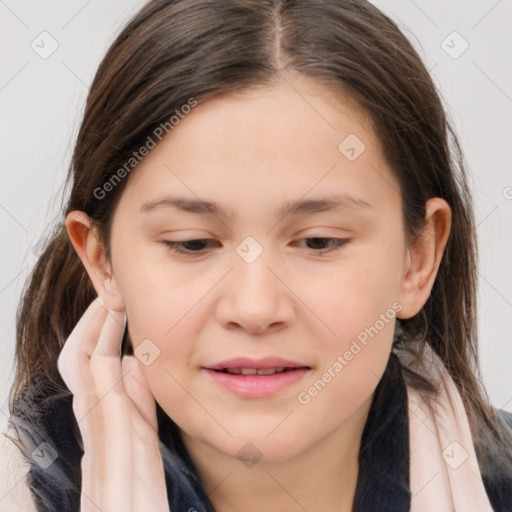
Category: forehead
[266,144]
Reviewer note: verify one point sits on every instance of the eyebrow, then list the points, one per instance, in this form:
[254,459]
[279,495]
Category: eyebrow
[297,207]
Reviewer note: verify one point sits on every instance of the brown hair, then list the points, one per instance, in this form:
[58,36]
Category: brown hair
[174,50]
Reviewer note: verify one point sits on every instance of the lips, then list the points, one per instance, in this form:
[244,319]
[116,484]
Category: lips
[256,378]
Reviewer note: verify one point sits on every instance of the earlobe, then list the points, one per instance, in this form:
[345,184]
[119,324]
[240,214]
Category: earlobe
[423,258]
[91,252]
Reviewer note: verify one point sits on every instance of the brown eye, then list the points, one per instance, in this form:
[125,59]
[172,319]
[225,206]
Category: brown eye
[194,246]
[336,244]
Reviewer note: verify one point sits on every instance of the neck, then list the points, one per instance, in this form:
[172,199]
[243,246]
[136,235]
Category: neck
[321,478]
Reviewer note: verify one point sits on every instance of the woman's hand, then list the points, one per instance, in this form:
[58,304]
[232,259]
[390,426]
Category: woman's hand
[122,469]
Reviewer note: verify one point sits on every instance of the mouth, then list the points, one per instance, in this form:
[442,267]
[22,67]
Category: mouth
[256,379]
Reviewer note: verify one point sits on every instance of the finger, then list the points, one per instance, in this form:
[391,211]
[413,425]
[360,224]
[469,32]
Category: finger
[111,334]
[90,426]
[138,390]
[149,473]
[108,458]
[149,470]
[106,423]
[113,452]
[114,460]
[104,364]
[88,497]
[80,344]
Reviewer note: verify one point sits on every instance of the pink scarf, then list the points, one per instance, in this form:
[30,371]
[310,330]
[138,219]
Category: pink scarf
[444,474]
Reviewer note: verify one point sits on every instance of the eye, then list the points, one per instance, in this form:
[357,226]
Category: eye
[178,246]
[197,245]
[336,245]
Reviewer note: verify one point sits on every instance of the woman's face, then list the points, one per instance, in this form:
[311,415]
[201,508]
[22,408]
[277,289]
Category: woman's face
[261,286]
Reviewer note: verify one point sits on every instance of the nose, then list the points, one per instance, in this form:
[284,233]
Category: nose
[256,299]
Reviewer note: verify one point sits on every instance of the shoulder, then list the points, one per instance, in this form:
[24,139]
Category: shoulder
[15,496]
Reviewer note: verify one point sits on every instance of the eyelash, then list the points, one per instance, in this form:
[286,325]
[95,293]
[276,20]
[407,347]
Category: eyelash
[177,247]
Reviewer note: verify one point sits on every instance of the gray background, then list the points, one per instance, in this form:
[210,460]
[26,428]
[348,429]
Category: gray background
[42,100]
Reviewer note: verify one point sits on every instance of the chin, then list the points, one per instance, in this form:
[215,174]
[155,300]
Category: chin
[251,450]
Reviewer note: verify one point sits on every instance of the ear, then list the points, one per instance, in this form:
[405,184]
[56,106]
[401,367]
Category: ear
[85,240]
[423,258]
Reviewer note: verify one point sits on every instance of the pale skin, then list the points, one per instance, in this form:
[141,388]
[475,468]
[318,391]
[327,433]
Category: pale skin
[252,153]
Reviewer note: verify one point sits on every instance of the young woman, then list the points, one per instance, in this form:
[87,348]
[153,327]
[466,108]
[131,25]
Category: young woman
[261,295]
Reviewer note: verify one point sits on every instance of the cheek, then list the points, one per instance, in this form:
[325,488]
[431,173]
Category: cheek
[169,377]
[350,369]
[163,328]
[356,314]
[355,297]
[162,302]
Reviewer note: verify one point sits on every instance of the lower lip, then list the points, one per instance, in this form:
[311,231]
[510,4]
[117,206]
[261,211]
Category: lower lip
[257,386]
